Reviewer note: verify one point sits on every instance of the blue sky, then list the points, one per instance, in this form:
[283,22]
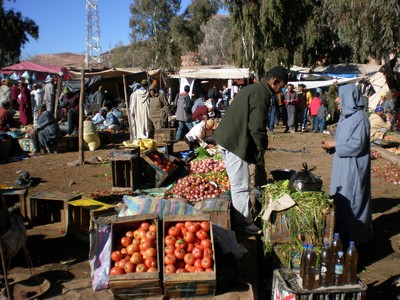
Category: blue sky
[62,24]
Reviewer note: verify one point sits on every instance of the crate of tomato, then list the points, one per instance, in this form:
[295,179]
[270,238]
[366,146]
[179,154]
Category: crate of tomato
[135,257]
[188,256]
[156,167]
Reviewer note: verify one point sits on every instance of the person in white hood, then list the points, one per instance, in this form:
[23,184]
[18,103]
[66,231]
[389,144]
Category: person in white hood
[139,106]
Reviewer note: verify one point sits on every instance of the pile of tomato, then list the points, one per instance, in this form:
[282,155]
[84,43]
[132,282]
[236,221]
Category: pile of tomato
[160,161]
[136,251]
[188,248]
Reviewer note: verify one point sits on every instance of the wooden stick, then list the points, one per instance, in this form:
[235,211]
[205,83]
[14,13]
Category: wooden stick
[127,107]
[81,112]
[58,92]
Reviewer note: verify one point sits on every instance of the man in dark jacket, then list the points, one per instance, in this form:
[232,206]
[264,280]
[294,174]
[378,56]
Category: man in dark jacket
[183,112]
[242,139]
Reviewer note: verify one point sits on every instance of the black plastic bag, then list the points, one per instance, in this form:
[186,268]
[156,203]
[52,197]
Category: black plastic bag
[305,180]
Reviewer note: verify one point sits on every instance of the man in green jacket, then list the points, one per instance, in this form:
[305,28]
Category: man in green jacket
[242,139]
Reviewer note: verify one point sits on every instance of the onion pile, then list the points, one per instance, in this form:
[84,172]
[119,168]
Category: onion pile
[196,188]
[206,165]
[375,154]
[389,172]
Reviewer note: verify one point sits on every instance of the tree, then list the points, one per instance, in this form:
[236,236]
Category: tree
[215,48]
[150,24]
[14,31]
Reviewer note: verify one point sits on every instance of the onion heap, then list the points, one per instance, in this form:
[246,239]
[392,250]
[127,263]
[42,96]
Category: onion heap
[206,165]
[389,172]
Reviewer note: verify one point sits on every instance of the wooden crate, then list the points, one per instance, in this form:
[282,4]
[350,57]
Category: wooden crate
[125,169]
[152,172]
[165,134]
[50,208]
[135,285]
[219,210]
[67,143]
[182,285]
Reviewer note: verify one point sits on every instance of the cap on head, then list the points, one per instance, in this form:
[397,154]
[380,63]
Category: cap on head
[48,79]
[210,123]
[378,109]
[279,72]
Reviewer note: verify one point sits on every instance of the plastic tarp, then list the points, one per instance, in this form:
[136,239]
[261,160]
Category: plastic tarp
[39,68]
[348,70]
[117,72]
[378,82]
[216,72]
[324,83]
[75,85]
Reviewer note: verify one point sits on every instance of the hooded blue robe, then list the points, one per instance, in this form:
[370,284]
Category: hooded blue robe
[350,185]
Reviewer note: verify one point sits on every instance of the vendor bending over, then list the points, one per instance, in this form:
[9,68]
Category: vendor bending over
[200,135]
[379,127]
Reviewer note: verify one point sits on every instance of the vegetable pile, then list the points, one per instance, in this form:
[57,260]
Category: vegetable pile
[306,220]
[390,172]
[188,248]
[206,165]
[137,251]
[196,187]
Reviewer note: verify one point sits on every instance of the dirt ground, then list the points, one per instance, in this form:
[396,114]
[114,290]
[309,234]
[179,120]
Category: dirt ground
[63,260]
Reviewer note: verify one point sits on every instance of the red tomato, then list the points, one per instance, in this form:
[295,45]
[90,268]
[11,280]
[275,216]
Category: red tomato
[169,249]
[202,234]
[132,248]
[208,253]
[188,237]
[145,226]
[197,263]
[206,263]
[189,259]
[117,255]
[209,270]
[198,269]
[169,259]
[123,251]
[206,243]
[205,225]
[151,235]
[136,258]
[194,227]
[197,252]
[151,252]
[189,268]
[152,269]
[181,270]
[129,234]
[189,247]
[187,224]
[196,241]
[137,234]
[116,271]
[180,244]
[173,231]
[169,240]
[120,264]
[179,253]
[180,225]
[146,244]
[140,268]
[129,267]
[169,269]
[150,262]
[153,228]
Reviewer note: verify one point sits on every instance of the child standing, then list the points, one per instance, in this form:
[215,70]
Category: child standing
[314,107]
[322,114]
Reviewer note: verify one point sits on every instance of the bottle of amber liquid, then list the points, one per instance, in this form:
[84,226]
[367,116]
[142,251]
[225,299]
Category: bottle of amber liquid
[337,245]
[350,270]
[325,267]
[303,256]
[338,278]
[310,262]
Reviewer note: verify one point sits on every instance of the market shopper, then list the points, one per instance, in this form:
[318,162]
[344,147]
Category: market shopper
[183,114]
[290,105]
[242,139]
[350,185]
[379,125]
[139,105]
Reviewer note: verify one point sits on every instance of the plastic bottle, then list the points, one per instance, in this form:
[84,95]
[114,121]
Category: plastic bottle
[337,246]
[338,278]
[350,270]
[303,256]
[325,267]
[310,262]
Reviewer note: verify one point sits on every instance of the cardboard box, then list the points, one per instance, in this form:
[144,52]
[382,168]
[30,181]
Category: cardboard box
[135,285]
[180,285]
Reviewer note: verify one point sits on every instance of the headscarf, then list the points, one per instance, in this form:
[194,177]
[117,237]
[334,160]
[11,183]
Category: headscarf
[350,99]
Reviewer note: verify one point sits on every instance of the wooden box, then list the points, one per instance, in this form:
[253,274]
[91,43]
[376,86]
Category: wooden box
[50,208]
[156,168]
[219,210]
[134,285]
[165,134]
[180,285]
[125,169]
[67,143]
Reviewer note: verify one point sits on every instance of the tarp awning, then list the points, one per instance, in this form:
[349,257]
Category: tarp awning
[344,70]
[216,72]
[317,84]
[116,72]
[40,68]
